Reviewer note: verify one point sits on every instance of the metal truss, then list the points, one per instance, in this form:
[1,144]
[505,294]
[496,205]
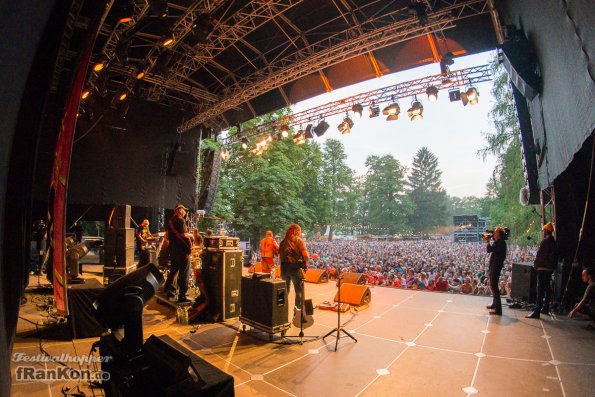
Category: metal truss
[224,35]
[333,50]
[453,79]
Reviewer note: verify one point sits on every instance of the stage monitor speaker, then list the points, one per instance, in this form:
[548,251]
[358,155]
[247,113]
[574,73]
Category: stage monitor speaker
[222,271]
[121,217]
[354,294]
[523,282]
[352,278]
[316,276]
[264,302]
[81,313]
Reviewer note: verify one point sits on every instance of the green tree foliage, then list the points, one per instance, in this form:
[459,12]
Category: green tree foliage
[426,192]
[385,202]
[508,177]
[469,205]
[338,180]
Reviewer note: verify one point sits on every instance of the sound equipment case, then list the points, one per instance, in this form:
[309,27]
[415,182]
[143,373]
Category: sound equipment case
[264,305]
[222,271]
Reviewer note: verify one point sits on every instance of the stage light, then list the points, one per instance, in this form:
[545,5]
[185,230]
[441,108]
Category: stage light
[373,110]
[454,95]
[357,109]
[472,96]
[299,137]
[98,67]
[345,126]
[269,138]
[167,40]
[225,154]
[123,95]
[140,74]
[284,131]
[202,28]
[244,143]
[415,112]
[308,133]
[392,111]
[432,93]
[85,94]
[125,12]
[321,128]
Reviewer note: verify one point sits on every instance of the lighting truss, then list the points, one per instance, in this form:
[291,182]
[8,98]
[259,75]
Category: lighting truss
[333,50]
[457,78]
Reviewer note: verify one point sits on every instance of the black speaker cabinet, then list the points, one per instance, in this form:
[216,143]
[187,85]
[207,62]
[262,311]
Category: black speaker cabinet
[223,272]
[264,304]
[121,217]
[524,281]
[118,241]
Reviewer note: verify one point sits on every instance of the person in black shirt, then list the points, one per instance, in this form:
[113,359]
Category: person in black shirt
[497,249]
[293,256]
[180,246]
[545,263]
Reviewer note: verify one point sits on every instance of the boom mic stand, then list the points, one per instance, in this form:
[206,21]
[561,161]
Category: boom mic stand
[339,329]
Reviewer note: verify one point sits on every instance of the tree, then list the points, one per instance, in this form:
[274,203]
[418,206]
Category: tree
[385,203]
[338,181]
[426,192]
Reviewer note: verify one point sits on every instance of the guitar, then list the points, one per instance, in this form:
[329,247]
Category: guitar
[303,318]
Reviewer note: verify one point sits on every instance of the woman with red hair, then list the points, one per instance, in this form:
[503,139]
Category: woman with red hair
[294,256]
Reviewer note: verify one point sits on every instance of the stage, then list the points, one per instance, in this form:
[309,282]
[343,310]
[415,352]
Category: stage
[409,343]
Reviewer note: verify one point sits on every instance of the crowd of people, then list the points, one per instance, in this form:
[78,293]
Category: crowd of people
[433,265]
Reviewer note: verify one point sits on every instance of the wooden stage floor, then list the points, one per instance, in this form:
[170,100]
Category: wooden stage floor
[409,343]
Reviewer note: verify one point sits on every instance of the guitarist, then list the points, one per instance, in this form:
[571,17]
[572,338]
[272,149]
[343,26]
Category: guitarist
[294,261]
[142,242]
[180,247]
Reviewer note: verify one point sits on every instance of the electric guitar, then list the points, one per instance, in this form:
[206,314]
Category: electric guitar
[303,318]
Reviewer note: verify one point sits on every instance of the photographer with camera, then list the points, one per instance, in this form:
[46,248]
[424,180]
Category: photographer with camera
[496,247]
[545,263]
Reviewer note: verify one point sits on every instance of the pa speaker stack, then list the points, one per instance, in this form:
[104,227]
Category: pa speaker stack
[118,246]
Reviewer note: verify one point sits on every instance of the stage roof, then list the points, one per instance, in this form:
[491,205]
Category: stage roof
[233,60]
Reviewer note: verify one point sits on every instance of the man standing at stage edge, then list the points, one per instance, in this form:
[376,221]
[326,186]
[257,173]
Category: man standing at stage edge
[268,249]
[293,257]
[180,246]
[497,249]
[545,263]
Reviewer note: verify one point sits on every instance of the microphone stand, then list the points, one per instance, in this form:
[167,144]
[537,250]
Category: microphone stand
[339,329]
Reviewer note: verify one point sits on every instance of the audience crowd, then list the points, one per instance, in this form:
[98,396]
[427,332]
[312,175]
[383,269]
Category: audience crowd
[433,265]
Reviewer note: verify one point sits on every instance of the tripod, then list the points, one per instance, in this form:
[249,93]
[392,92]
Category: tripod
[339,329]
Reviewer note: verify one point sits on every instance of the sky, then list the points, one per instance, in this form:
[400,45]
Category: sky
[451,131]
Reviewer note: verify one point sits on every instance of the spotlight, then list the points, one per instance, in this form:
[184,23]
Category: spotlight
[308,133]
[392,111]
[321,128]
[125,12]
[224,154]
[357,109]
[98,67]
[432,93]
[85,94]
[244,143]
[299,137]
[373,110]
[471,96]
[167,40]
[140,74]
[416,110]
[123,95]
[284,131]
[345,126]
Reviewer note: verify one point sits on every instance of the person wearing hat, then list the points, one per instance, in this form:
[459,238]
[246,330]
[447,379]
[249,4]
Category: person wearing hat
[545,263]
[142,240]
[180,247]
[268,249]
[497,249]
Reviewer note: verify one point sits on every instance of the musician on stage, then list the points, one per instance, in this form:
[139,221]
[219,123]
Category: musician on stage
[268,249]
[142,241]
[294,256]
[180,247]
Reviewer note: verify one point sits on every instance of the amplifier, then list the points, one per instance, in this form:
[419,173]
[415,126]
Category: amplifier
[222,242]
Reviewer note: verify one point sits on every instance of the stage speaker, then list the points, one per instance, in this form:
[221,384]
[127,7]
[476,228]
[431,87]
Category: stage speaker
[354,294]
[81,313]
[121,217]
[118,247]
[523,282]
[520,62]
[316,276]
[264,303]
[352,278]
[222,271]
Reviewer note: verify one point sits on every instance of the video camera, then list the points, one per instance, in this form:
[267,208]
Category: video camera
[489,234]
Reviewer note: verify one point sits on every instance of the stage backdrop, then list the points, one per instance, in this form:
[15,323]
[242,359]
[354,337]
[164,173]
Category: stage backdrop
[122,160]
